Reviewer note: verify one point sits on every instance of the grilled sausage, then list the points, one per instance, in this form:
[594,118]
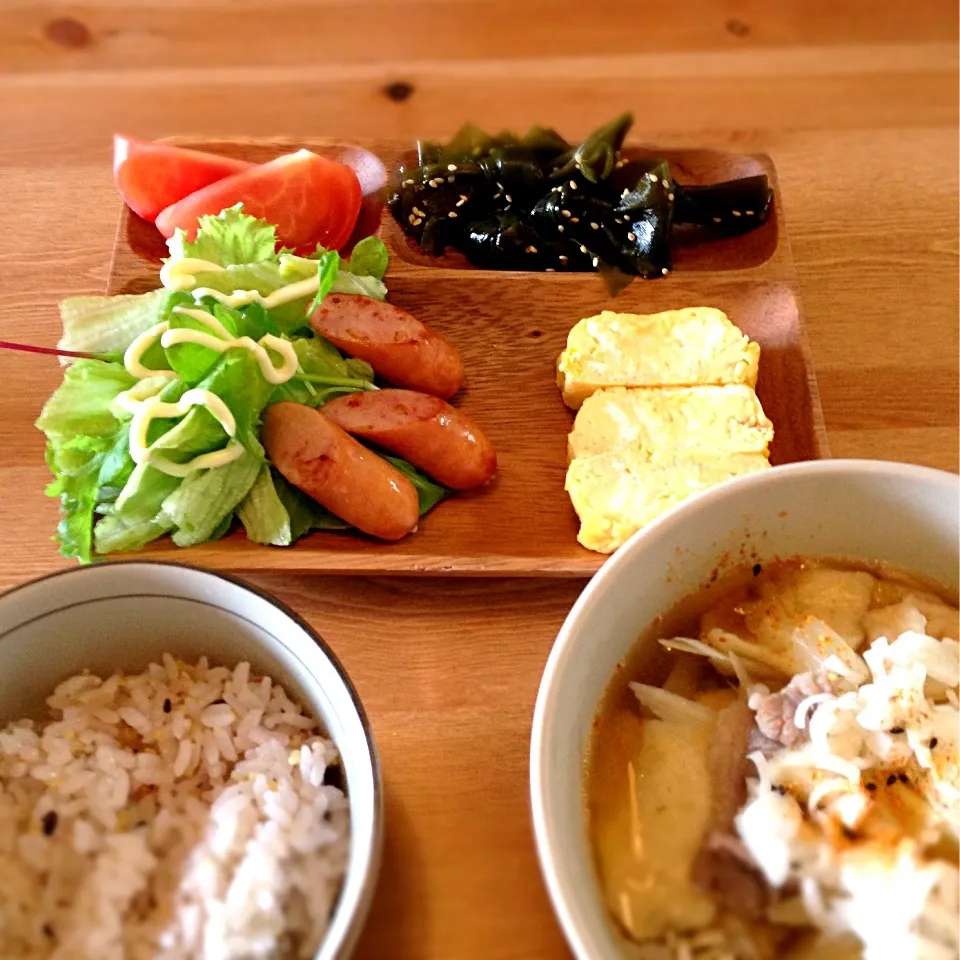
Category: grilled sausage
[399,347]
[425,430]
[361,488]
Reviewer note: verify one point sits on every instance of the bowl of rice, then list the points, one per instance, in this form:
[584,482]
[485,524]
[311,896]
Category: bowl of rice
[745,743]
[186,772]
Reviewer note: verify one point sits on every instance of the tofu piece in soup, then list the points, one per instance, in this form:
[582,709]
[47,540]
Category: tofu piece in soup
[649,823]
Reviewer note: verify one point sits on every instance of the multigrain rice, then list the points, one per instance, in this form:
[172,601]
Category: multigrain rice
[177,814]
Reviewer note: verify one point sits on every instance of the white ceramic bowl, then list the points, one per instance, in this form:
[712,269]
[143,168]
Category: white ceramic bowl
[123,615]
[902,515]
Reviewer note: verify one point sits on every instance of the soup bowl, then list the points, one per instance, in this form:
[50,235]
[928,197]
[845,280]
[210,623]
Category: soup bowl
[124,615]
[860,510]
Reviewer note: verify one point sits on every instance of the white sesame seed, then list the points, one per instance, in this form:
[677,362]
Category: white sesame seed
[621,163]
[418,212]
[631,236]
[460,202]
[716,220]
[594,226]
[451,167]
[583,249]
[560,227]
[573,184]
[749,213]
[664,271]
[508,198]
[432,183]
[452,215]
[496,196]
[669,196]
[549,270]
[625,192]
[408,183]
[736,213]
[596,261]
[417,222]
[563,258]
[451,179]
[566,213]
[574,219]
[653,177]
[531,249]
[617,220]
[499,185]
[411,218]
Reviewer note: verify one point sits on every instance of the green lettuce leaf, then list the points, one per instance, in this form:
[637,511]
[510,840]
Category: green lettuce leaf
[140,519]
[139,512]
[323,374]
[207,498]
[80,406]
[327,267]
[304,512]
[276,513]
[236,379]
[369,258]
[228,237]
[116,467]
[429,492]
[252,321]
[105,324]
[81,433]
[191,361]
[77,490]
[263,515]
[232,319]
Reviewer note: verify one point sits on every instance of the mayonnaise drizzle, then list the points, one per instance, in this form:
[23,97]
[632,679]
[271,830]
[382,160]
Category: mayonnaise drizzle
[152,408]
[268,341]
[130,400]
[179,274]
[240,298]
[142,401]
[132,356]
[220,340]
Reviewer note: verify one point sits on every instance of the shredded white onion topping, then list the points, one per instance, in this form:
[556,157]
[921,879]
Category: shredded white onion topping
[852,816]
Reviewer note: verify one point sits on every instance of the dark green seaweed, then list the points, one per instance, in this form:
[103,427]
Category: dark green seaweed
[537,202]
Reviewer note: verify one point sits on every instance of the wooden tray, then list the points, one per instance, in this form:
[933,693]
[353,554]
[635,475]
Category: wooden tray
[510,328]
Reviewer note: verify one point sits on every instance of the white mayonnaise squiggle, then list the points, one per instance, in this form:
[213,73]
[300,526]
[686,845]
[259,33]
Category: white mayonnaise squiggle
[142,399]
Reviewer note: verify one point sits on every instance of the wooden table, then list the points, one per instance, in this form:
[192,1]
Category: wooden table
[855,101]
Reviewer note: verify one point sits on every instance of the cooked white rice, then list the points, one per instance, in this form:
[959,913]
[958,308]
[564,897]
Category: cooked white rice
[179,813]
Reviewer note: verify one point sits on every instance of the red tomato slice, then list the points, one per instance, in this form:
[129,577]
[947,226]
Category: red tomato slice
[151,176]
[310,200]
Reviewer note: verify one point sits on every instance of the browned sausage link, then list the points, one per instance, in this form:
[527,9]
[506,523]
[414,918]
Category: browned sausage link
[315,455]
[425,430]
[399,347]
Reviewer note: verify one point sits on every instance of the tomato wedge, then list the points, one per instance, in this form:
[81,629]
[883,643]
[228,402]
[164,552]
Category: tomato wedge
[310,199]
[151,176]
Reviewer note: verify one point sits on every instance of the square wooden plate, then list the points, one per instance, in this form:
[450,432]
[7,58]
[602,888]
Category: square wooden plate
[510,328]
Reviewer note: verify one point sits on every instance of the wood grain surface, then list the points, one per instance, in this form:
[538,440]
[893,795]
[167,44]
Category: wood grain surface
[856,103]
[510,327]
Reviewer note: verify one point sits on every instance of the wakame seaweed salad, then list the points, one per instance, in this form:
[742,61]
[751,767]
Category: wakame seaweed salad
[537,202]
